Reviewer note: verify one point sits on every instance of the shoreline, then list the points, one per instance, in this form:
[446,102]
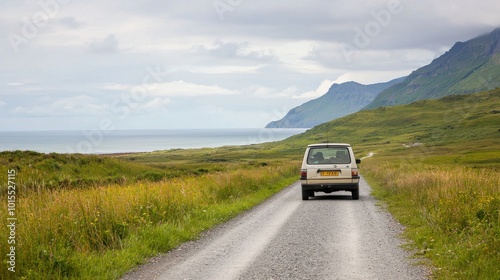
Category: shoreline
[137,141]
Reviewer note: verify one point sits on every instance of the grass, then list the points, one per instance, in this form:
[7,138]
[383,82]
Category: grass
[100,232]
[436,165]
[451,213]
[55,171]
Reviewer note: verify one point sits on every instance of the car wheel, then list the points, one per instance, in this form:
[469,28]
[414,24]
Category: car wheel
[355,193]
[305,195]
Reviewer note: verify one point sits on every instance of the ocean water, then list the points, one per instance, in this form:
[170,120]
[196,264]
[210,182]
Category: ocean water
[127,141]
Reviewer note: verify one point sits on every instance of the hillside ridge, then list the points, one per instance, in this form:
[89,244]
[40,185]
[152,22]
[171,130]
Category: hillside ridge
[340,100]
[468,67]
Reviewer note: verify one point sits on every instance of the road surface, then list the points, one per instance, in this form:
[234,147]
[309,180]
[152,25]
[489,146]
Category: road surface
[328,237]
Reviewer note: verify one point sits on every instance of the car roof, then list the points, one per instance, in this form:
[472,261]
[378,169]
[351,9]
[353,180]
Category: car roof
[329,145]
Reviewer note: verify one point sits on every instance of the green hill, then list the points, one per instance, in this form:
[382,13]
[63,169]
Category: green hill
[450,127]
[467,67]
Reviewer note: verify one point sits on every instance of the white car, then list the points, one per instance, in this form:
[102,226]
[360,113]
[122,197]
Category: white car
[329,167]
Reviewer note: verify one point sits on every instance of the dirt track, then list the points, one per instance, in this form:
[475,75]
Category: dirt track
[328,237]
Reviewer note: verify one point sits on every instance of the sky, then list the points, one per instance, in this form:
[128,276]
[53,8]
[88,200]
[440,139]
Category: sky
[152,64]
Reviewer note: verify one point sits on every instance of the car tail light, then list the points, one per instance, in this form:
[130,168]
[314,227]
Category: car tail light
[303,174]
[354,172]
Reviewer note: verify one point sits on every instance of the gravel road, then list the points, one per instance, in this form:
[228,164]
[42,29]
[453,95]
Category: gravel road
[328,237]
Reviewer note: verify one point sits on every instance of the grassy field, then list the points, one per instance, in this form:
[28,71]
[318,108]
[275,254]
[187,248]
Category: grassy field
[101,227]
[451,214]
[435,165]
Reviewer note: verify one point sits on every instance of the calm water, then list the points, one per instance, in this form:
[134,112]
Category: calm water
[124,141]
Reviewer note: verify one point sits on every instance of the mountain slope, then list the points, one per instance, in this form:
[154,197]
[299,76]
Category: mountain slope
[469,123]
[466,68]
[340,100]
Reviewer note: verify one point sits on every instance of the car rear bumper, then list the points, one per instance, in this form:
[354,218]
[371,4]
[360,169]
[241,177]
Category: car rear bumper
[331,186]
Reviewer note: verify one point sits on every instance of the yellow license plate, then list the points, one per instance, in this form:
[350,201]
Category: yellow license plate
[330,173]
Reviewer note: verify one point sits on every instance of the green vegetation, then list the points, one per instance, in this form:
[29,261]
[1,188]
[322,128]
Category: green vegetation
[450,212]
[102,228]
[457,129]
[485,76]
[436,166]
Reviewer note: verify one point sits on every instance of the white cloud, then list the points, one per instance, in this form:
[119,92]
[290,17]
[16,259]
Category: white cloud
[108,45]
[81,105]
[176,88]
[371,77]
[156,103]
[181,88]
[271,93]
[239,50]
[263,57]
[225,69]
[321,90]
[70,22]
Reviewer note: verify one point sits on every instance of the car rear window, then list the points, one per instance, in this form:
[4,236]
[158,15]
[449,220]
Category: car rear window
[327,155]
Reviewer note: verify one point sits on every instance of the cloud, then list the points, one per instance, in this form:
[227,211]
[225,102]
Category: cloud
[262,92]
[241,50]
[321,90]
[370,77]
[70,22]
[264,56]
[226,69]
[156,103]
[108,45]
[177,88]
[81,105]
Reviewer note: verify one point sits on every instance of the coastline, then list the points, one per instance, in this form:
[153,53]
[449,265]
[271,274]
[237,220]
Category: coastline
[137,141]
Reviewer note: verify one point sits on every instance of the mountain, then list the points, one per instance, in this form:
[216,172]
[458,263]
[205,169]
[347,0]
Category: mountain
[467,67]
[340,100]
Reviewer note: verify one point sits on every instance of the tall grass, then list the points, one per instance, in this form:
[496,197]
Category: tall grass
[37,171]
[451,212]
[101,232]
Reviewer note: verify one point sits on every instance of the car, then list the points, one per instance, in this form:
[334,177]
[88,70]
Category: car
[329,167]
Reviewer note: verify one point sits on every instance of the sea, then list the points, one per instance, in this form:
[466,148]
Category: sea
[132,141]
